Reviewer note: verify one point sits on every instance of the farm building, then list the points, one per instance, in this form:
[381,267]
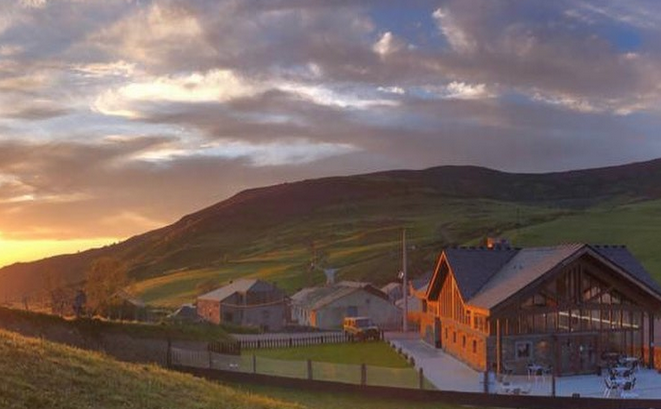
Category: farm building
[246,302]
[326,307]
[567,307]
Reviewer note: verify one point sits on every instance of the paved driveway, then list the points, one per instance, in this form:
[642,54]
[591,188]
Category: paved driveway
[442,370]
[448,373]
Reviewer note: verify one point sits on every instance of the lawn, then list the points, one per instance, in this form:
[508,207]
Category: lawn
[368,353]
[339,363]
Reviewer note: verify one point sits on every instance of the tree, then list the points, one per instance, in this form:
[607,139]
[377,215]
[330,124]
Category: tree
[105,278]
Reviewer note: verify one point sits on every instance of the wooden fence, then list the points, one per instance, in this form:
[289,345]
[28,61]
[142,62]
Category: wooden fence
[410,396]
[235,347]
[280,342]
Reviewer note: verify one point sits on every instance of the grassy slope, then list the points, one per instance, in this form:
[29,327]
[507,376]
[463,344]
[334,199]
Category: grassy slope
[363,243]
[638,226]
[369,353]
[41,374]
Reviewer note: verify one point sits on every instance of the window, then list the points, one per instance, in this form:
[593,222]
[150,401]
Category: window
[474,346]
[523,350]
[463,341]
[454,337]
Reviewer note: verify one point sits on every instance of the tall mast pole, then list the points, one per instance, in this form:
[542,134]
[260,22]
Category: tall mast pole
[405,284]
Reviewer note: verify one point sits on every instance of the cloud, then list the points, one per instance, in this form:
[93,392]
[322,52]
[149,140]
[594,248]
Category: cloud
[213,86]
[387,44]
[456,36]
[109,104]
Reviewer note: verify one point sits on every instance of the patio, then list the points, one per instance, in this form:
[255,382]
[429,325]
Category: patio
[447,373]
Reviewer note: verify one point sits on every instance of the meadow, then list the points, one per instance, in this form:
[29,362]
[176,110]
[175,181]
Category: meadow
[42,374]
[367,246]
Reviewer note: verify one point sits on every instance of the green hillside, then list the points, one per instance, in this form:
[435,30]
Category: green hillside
[638,226]
[42,374]
[356,221]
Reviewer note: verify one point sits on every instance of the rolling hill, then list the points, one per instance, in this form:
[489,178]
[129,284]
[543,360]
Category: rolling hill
[271,232]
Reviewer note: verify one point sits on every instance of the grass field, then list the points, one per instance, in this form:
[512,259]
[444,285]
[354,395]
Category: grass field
[369,353]
[41,374]
[364,244]
[638,226]
[340,363]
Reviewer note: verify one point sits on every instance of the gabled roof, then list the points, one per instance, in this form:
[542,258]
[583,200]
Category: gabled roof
[474,266]
[620,256]
[522,269]
[318,297]
[243,285]
[487,277]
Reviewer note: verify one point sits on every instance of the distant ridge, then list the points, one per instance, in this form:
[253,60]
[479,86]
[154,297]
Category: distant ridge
[230,226]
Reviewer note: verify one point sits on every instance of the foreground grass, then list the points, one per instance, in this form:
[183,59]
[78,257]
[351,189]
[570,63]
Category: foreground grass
[41,374]
[335,400]
[369,353]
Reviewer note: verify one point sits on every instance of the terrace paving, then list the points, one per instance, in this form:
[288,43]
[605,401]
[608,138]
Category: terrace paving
[447,373]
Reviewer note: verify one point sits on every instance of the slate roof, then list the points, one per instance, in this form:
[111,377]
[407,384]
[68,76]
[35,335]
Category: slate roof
[487,277]
[621,257]
[522,269]
[474,266]
[243,285]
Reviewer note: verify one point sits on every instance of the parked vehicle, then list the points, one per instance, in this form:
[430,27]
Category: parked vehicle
[361,328]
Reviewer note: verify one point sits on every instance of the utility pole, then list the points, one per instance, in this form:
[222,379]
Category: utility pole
[405,284]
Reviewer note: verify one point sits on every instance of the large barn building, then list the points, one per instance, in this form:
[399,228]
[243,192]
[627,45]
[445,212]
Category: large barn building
[566,307]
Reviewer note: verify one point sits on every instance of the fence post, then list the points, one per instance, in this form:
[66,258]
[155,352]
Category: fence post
[168,356]
[290,342]
[210,359]
[363,374]
[309,369]
[553,384]
[254,363]
[486,381]
[421,379]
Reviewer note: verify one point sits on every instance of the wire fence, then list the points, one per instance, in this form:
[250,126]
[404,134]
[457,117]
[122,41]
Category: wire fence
[312,370]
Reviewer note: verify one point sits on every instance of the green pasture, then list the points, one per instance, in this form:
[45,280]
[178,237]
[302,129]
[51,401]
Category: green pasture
[638,226]
[339,363]
[364,243]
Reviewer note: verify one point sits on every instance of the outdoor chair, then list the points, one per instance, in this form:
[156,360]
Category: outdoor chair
[610,387]
[627,390]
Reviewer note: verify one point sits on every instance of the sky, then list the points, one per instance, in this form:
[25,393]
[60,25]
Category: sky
[120,116]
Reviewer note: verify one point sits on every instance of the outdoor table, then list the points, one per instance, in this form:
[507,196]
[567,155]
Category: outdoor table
[629,361]
[619,370]
[535,370]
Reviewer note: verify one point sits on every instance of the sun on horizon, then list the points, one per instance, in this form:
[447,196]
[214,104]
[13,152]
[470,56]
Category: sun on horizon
[13,251]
